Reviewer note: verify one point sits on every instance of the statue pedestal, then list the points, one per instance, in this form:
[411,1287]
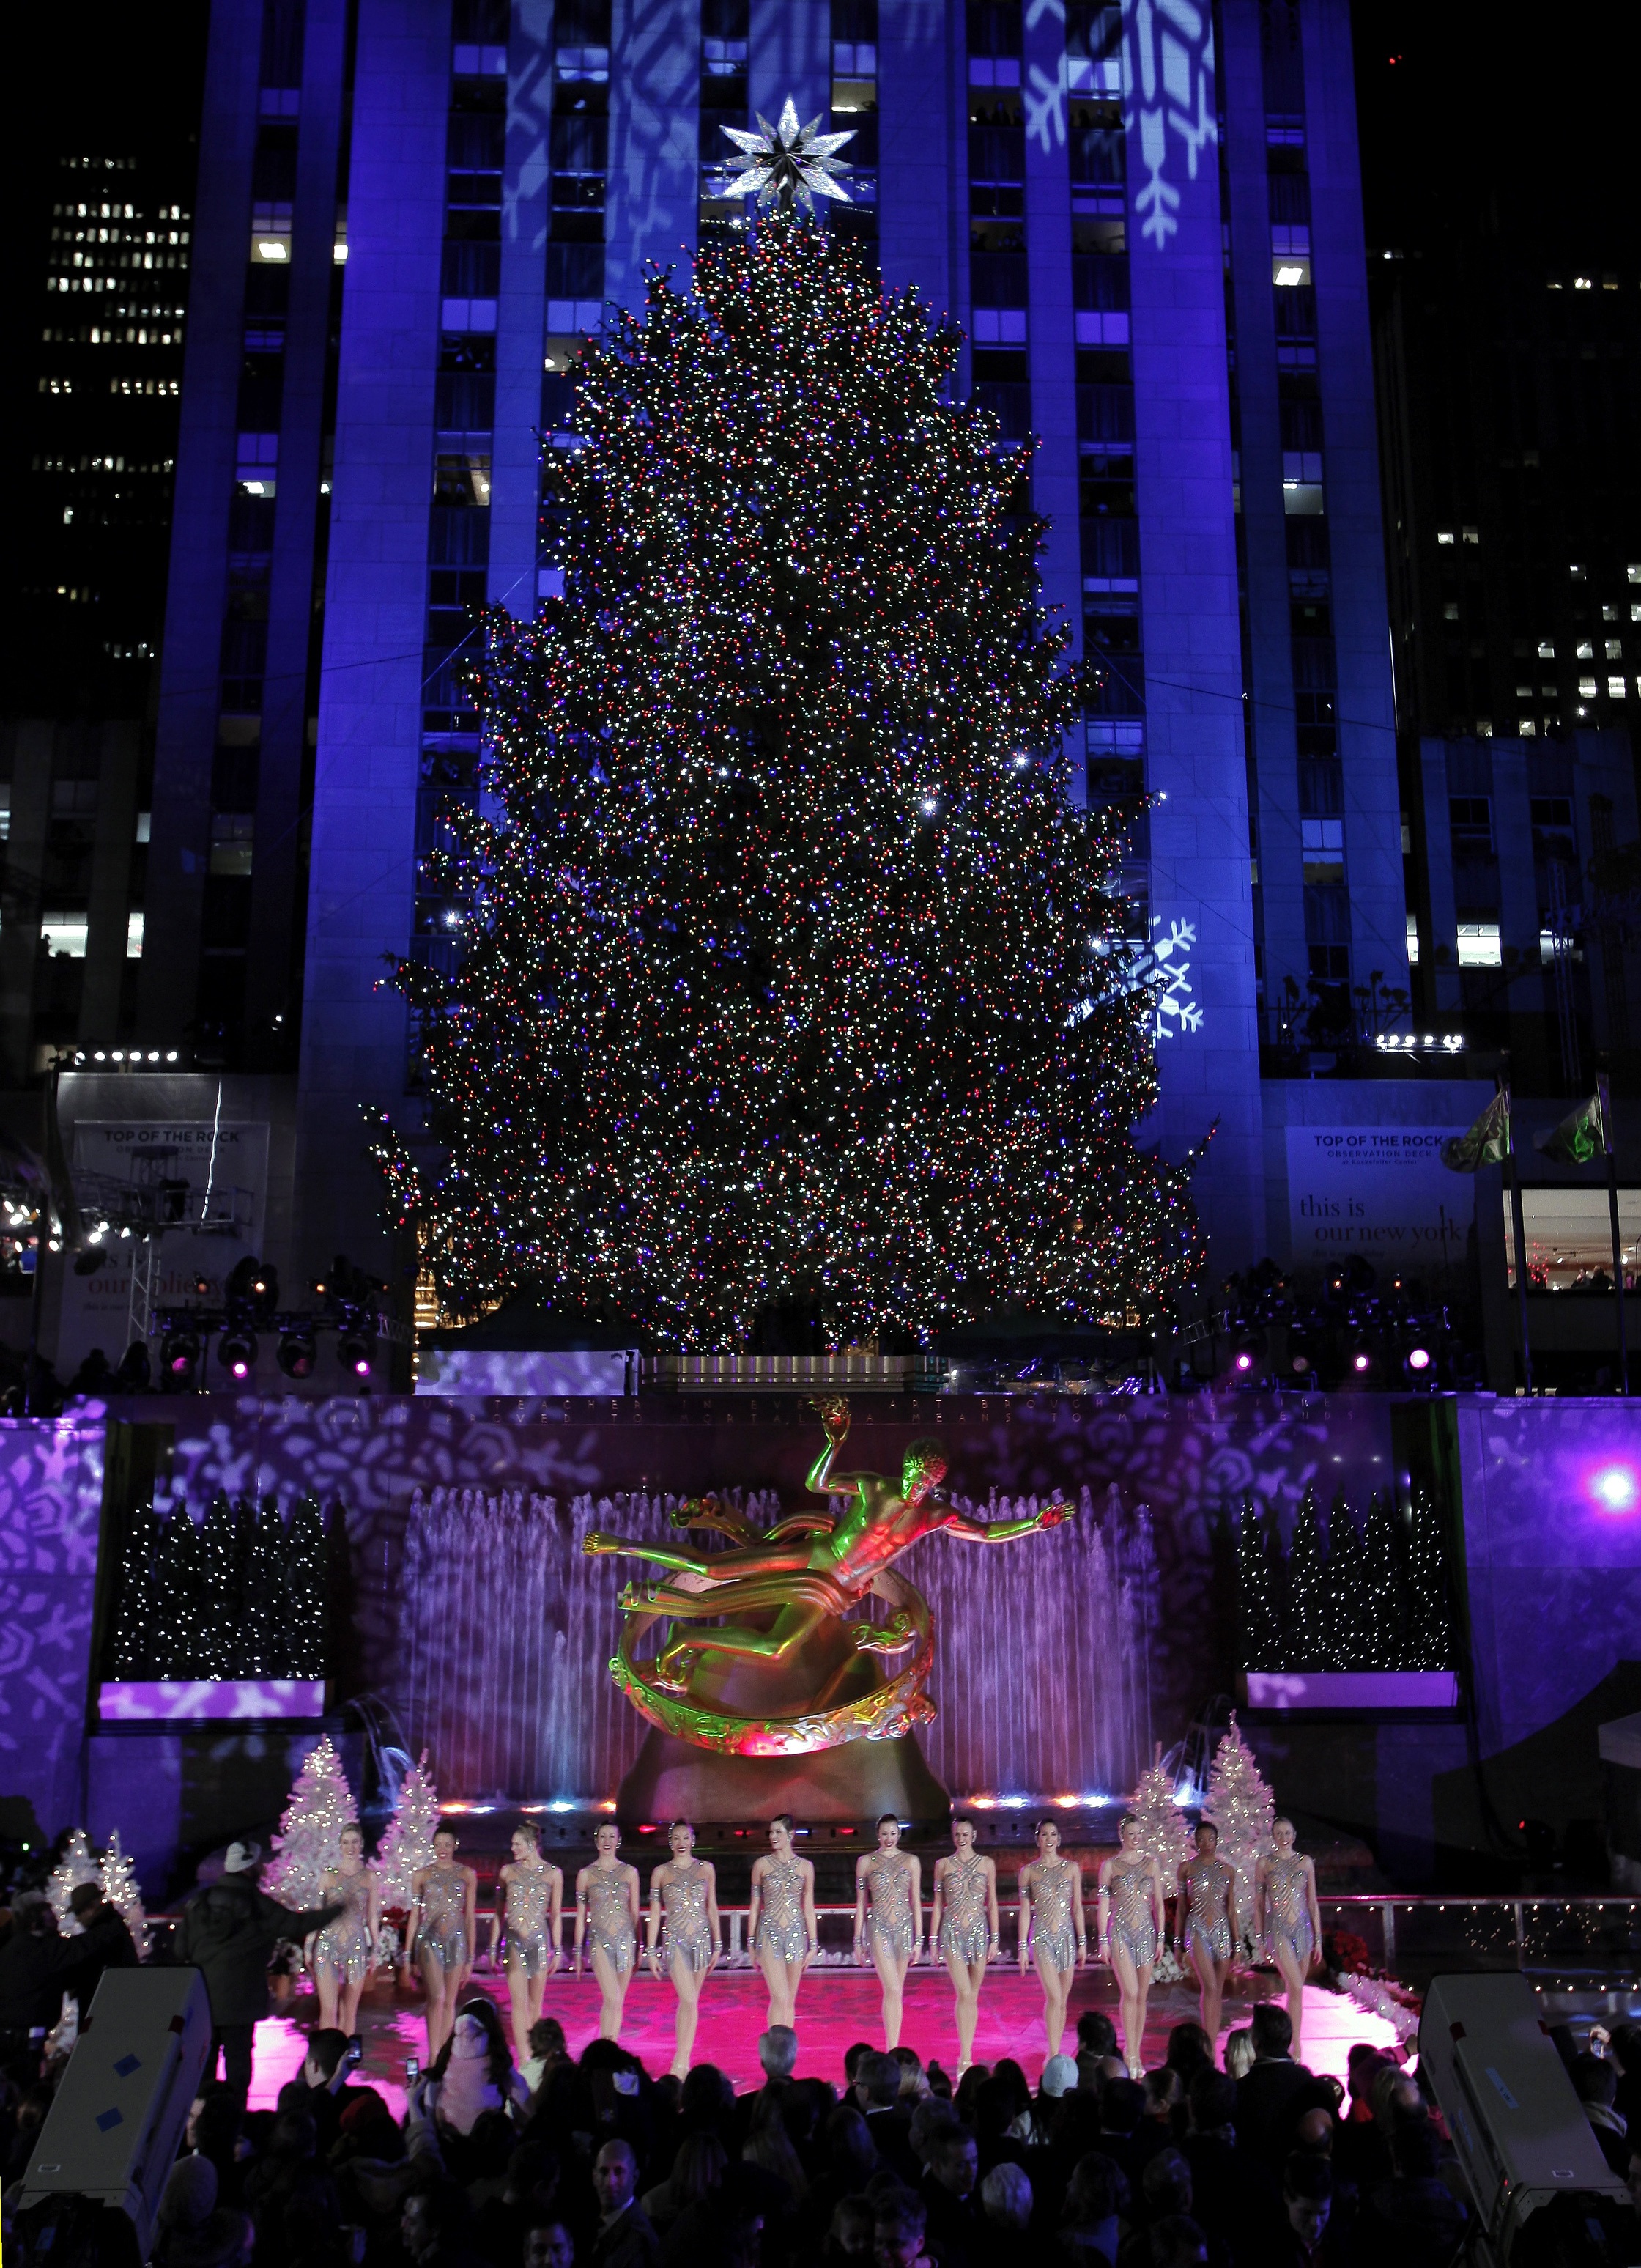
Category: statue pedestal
[851,1785]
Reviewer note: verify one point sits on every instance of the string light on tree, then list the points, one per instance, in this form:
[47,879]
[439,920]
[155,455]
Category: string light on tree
[309,1841]
[784,980]
[1242,1807]
[407,1840]
[117,1875]
[77,1864]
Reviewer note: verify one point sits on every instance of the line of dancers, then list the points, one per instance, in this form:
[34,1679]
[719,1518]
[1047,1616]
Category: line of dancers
[682,1936]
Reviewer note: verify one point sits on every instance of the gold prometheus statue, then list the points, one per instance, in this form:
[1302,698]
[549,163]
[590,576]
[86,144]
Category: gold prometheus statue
[795,1665]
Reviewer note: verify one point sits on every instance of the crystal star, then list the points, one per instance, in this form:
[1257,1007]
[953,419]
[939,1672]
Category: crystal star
[787,161]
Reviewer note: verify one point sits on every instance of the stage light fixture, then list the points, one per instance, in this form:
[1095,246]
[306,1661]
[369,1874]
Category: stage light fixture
[356,1351]
[297,1354]
[87,1262]
[1418,1358]
[1361,1360]
[178,1356]
[236,1351]
[1300,1366]
[1244,1361]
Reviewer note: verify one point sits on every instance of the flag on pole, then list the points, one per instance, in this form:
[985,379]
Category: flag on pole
[1581,1135]
[1488,1141]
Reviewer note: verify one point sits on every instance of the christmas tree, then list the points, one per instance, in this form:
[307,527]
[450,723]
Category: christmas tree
[309,1841]
[1240,1807]
[791,974]
[1349,1621]
[134,1606]
[1428,1630]
[1309,1637]
[77,1864]
[408,1841]
[219,1570]
[1164,1829]
[118,1878]
[266,1645]
[1259,1573]
[1385,1628]
[306,1594]
[181,1641]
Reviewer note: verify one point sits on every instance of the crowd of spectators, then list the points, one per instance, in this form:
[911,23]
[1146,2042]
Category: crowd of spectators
[589,2163]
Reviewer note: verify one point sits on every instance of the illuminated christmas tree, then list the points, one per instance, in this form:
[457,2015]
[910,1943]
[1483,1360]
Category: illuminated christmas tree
[181,1643]
[220,1586]
[135,1601]
[791,975]
[1385,1623]
[406,1842]
[308,1653]
[309,1841]
[1349,1621]
[1309,1641]
[1259,1580]
[1240,1806]
[1165,1830]
[77,1864]
[1429,1644]
[265,1641]
[118,1878]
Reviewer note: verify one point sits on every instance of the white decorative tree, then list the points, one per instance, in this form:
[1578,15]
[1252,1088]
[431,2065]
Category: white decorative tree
[118,1878]
[77,1864]
[309,1841]
[407,1842]
[1242,1807]
[1165,1835]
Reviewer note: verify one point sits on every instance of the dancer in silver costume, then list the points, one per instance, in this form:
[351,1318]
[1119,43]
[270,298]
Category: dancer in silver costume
[1210,1931]
[1287,1916]
[781,1923]
[964,1926]
[442,1933]
[1052,1928]
[1131,1923]
[344,1952]
[685,1933]
[530,1911]
[607,1926]
[889,1918]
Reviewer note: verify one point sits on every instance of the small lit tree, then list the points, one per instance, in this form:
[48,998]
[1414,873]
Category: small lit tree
[134,1631]
[1385,1619]
[1430,1623]
[1242,1807]
[406,1844]
[1349,1621]
[77,1864]
[307,1655]
[118,1878]
[309,1842]
[1259,1578]
[1308,1646]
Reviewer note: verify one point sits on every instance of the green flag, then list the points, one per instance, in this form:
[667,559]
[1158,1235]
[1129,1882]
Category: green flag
[1488,1141]
[1581,1135]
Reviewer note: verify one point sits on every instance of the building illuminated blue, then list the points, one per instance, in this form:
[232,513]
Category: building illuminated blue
[1147,220]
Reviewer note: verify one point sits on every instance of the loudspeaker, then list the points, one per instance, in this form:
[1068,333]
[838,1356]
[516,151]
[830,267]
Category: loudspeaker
[112,2131]
[1518,2129]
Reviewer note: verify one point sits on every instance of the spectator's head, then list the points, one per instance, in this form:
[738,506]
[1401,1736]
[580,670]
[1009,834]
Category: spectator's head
[1394,2098]
[428,2216]
[1307,2195]
[83,1900]
[734,2230]
[1163,2089]
[295,2137]
[1096,2033]
[550,2246]
[1212,2100]
[697,2167]
[1594,2081]
[913,2084]
[245,1857]
[1005,2197]
[852,2155]
[777,2051]
[1364,2064]
[954,2161]
[190,2195]
[1122,2106]
[490,2145]
[1177,2242]
[1313,2134]
[1098,2191]
[1059,2077]
[1189,2050]
[325,2053]
[931,2118]
[213,2127]
[707,2100]
[547,2043]
[615,2175]
[370,2127]
[534,2173]
[1014,2078]
[1239,2052]
[850,2230]
[35,1919]
[1272,2027]
[1626,2046]
[1167,2184]
[897,2231]
[877,2082]
[1415,2150]
[994,2109]
[852,2058]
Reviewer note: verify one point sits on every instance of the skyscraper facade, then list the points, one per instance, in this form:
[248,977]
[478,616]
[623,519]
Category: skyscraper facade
[1146,221]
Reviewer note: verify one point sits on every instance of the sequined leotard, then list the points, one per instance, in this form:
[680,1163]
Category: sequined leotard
[1133,1923]
[1054,1930]
[444,1931]
[685,1930]
[781,1911]
[529,1900]
[1208,1911]
[1287,1910]
[892,1920]
[344,1944]
[609,1916]
[965,1927]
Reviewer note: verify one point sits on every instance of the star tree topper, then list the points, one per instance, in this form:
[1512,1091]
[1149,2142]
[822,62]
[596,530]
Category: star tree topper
[785,162]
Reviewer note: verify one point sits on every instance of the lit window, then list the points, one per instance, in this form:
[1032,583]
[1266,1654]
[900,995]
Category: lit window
[1413,941]
[1547,651]
[1588,688]
[1290,272]
[1471,536]
[232,834]
[134,934]
[144,826]
[1302,499]
[1634,574]
[1614,688]
[1583,283]
[64,933]
[1526,728]
[1322,842]
[1614,650]
[1479,945]
[1450,612]
[1444,536]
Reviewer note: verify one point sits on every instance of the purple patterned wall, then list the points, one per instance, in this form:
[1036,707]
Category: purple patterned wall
[50,1500]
